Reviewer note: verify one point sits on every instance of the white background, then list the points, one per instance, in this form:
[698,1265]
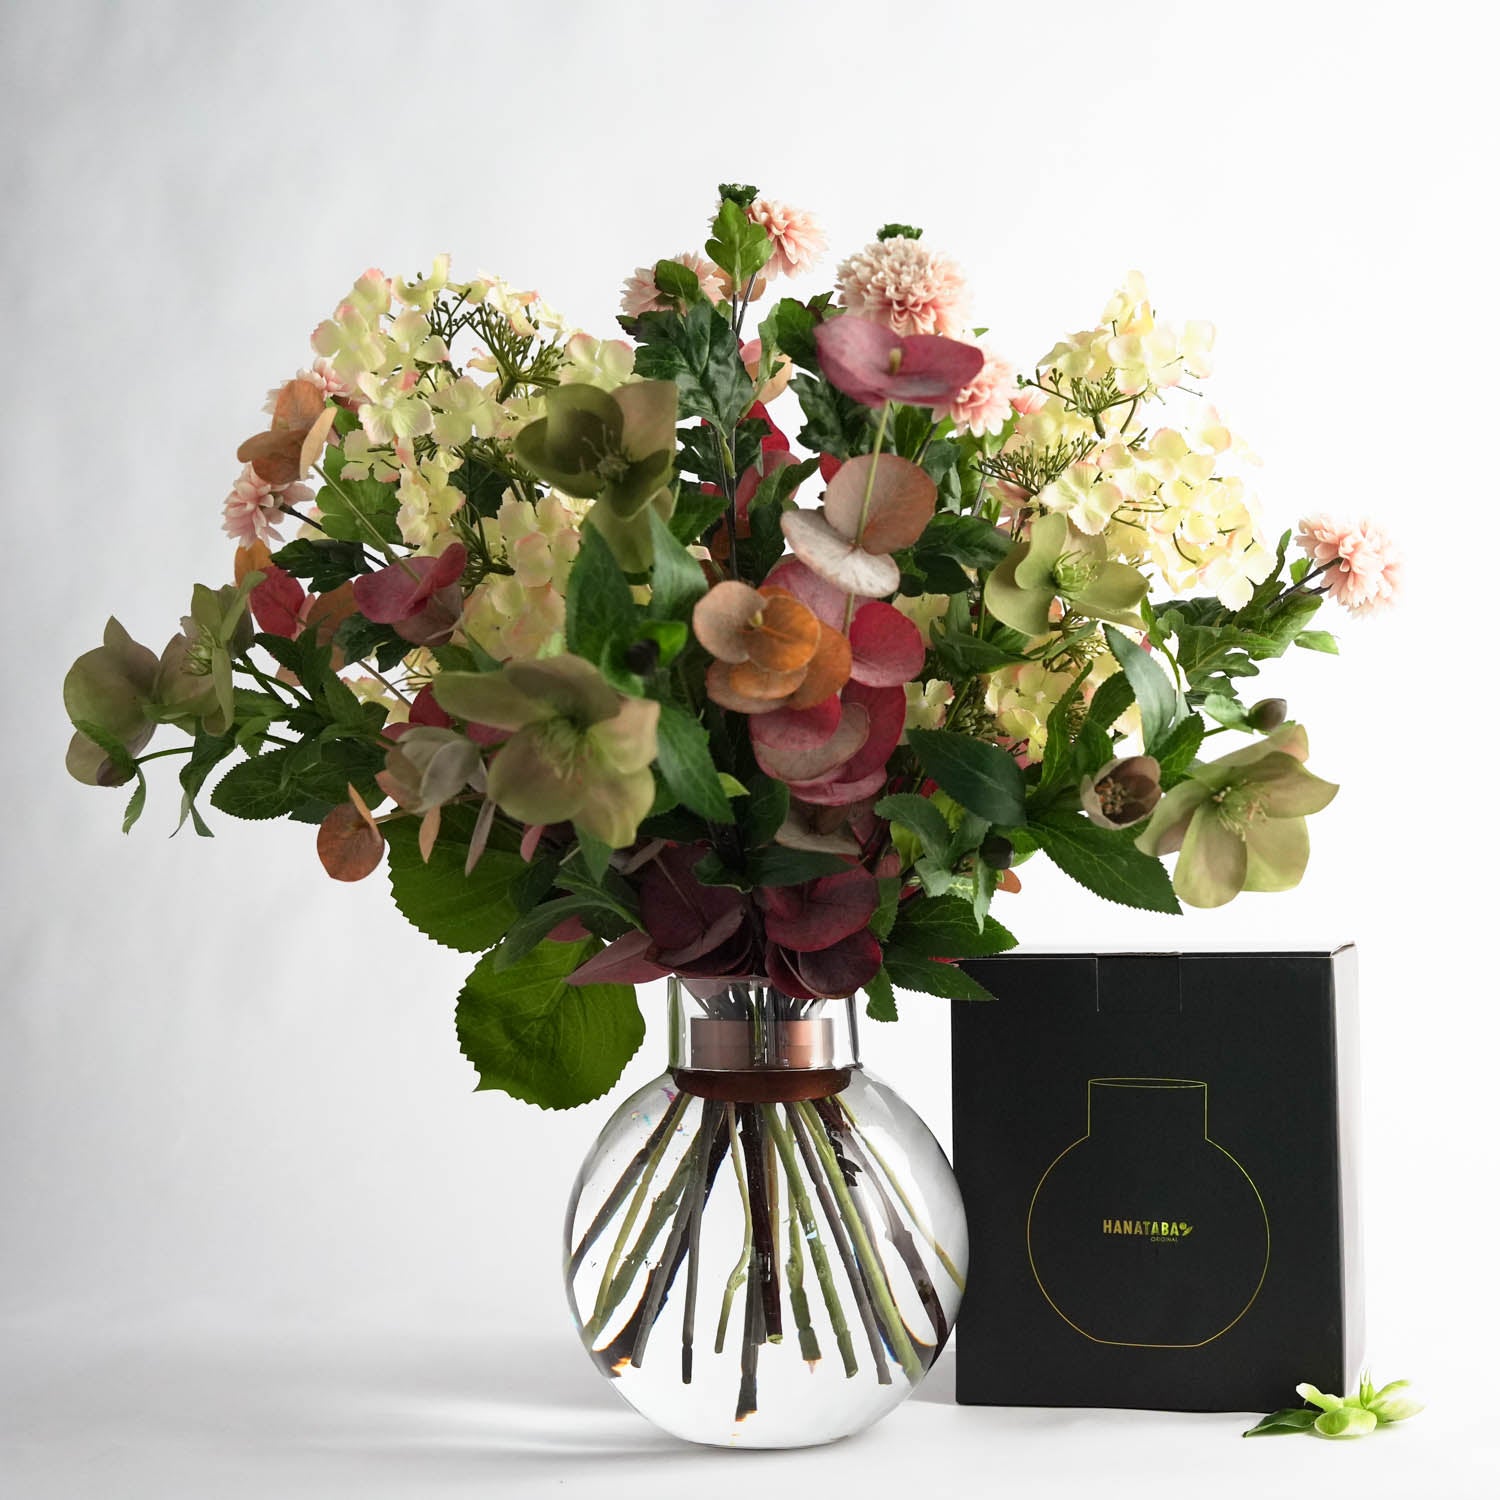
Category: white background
[256,1235]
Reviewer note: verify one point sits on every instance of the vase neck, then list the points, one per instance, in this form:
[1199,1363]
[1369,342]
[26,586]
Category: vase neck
[748,1025]
[1170,1107]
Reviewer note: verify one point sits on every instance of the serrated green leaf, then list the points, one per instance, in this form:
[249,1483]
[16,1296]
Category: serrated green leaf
[136,806]
[880,1003]
[789,327]
[915,971]
[737,244]
[358,510]
[978,775]
[700,353]
[600,608]
[1178,751]
[1229,712]
[529,1032]
[468,912]
[917,813]
[1105,862]
[1316,640]
[526,932]
[1111,698]
[678,282]
[687,764]
[944,927]
[323,562]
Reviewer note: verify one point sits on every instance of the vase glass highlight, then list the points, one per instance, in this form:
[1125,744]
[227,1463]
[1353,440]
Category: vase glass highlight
[766,1246]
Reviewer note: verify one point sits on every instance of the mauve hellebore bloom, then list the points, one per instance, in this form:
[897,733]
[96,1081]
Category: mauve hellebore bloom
[867,361]
[1123,792]
[1240,823]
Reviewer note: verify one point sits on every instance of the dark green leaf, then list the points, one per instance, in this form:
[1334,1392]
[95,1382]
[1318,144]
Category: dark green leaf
[1111,698]
[468,912]
[835,423]
[526,932]
[975,773]
[944,927]
[789,327]
[919,815]
[778,866]
[1158,699]
[881,1004]
[1106,862]
[738,245]
[1178,751]
[966,539]
[687,764]
[701,354]
[111,744]
[677,581]
[764,811]
[601,609]
[694,514]
[136,806]
[208,751]
[325,564]
[529,1032]
[914,971]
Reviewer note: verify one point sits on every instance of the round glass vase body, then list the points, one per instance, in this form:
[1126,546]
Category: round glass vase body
[765,1247]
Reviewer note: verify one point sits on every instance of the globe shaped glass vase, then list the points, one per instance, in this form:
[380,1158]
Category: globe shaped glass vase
[765,1247]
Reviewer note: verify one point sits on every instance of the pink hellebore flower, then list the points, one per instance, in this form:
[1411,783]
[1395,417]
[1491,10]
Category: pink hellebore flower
[867,361]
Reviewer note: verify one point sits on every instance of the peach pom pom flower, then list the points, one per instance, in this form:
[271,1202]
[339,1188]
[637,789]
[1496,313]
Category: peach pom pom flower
[640,294]
[797,239]
[253,507]
[985,404]
[909,288]
[1358,562]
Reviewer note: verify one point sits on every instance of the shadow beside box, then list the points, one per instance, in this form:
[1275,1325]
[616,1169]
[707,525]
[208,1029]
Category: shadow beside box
[1158,1156]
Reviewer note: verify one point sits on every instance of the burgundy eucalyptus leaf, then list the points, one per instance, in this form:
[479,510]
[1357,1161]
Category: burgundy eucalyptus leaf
[798,728]
[819,913]
[828,974]
[400,592]
[816,761]
[887,647]
[869,362]
[627,960]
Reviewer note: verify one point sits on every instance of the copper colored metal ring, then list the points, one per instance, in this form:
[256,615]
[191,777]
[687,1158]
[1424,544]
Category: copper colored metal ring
[763,1085]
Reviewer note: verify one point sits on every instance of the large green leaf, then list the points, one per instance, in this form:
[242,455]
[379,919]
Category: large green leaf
[944,927]
[468,912]
[687,766]
[601,608]
[1161,704]
[699,352]
[975,773]
[737,244]
[677,581]
[881,1004]
[1105,861]
[918,814]
[529,1032]
[914,971]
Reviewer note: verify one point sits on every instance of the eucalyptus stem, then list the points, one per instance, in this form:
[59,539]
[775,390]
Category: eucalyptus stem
[840,1238]
[879,1287]
[800,1216]
[766,1286]
[737,1275]
[714,1110]
[662,1209]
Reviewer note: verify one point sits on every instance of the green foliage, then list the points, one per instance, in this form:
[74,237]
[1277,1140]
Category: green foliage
[324,563]
[677,581]
[978,775]
[687,764]
[1160,703]
[1177,752]
[529,1032]
[944,927]
[926,976]
[881,1002]
[788,327]
[603,618]
[358,510]
[833,422]
[697,350]
[1105,861]
[764,810]
[908,810]
[737,244]
[468,912]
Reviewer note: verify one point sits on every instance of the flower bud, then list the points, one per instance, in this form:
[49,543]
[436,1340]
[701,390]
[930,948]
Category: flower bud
[997,852]
[1268,714]
[1123,792]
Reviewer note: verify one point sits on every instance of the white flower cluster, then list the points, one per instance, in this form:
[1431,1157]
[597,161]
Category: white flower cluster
[519,613]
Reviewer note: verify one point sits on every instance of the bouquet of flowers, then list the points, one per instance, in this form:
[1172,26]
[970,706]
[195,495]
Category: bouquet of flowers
[642,688]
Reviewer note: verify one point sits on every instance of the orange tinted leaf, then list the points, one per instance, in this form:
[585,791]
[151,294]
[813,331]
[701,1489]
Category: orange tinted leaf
[298,405]
[349,842]
[828,670]
[725,694]
[785,636]
[752,681]
[315,441]
[256,558]
[428,832]
[274,456]
[722,616]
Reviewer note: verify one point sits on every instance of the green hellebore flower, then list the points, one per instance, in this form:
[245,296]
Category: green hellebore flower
[110,688]
[1240,822]
[197,673]
[1056,562]
[579,751]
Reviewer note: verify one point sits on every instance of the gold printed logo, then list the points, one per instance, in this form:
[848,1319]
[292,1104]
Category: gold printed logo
[1157,1231]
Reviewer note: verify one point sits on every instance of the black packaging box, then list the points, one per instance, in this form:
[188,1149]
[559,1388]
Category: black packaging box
[1157,1153]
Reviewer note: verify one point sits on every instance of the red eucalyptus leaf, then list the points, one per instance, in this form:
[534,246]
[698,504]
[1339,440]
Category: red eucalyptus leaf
[887,647]
[816,761]
[829,974]
[820,913]
[867,361]
[399,592]
[901,500]
[837,791]
[626,961]
[798,728]
[886,707]
[350,842]
[276,601]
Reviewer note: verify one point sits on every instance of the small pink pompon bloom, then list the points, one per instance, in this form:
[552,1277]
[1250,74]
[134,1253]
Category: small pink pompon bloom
[797,239]
[909,288]
[641,296]
[253,507]
[1364,568]
[985,404]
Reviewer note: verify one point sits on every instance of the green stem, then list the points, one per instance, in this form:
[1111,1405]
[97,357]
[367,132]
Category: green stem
[864,509]
[662,1209]
[801,1216]
[741,1266]
[879,1287]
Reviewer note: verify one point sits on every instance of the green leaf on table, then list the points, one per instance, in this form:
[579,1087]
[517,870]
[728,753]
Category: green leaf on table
[1289,1419]
[976,774]
[1160,702]
[926,976]
[1105,861]
[677,581]
[540,1039]
[700,353]
[880,1004]
[687,764]
[468,912]
[1346,1422]
[920,815]
[737,244]
[944,927]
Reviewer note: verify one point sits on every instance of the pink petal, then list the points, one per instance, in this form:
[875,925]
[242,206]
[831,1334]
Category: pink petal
[857,356]
[887,647]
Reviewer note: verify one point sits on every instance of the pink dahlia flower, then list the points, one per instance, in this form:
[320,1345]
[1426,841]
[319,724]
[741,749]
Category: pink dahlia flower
[797,239]
[640,294]
[253,507]
[1363,567]
[909,288]
[985,404]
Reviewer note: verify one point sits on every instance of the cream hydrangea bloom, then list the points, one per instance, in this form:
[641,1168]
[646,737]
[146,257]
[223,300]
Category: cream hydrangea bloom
[462,409]
[1020,697]
[922,610]
[422,293]
[605,364]
[429,502]
[927,704]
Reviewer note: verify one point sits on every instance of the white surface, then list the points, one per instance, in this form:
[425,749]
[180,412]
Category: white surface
[256,1236]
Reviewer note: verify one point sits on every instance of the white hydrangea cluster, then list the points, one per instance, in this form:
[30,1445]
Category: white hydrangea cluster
[519,613]
[1021,696]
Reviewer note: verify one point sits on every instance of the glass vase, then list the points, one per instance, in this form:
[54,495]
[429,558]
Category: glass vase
[765,1247]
